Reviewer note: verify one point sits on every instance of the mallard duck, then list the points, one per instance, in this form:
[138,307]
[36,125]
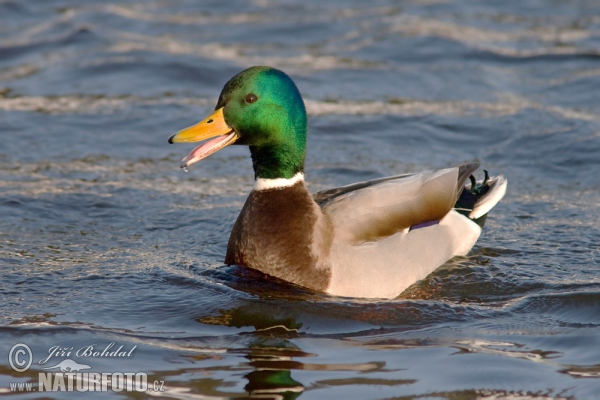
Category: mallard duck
[372,239]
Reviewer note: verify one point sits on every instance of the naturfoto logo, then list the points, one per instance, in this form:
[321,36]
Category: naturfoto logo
[67,375]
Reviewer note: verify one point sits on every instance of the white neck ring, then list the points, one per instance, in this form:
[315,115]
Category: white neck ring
[278,183]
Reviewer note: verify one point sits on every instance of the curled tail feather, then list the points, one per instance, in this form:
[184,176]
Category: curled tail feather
[475,202]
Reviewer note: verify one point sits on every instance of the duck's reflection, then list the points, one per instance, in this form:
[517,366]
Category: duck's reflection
[272,374]
[272,354]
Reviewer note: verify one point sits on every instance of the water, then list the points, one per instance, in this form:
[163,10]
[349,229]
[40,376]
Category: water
[103,239]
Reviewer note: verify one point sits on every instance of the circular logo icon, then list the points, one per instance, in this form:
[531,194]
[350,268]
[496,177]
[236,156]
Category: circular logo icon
[20,357]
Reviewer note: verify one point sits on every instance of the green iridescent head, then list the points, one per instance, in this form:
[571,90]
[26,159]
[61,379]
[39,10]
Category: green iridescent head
[260,107]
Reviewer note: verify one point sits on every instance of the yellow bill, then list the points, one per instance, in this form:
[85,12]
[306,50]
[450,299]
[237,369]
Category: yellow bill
[213,126]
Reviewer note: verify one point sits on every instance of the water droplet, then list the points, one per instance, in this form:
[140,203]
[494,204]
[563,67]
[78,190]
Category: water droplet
[185,169]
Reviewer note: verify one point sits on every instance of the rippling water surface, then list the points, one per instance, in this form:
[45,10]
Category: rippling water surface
[103,239]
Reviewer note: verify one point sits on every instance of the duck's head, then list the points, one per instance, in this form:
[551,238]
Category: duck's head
[260,107]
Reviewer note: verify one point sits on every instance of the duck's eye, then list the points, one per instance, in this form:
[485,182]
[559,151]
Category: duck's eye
[251,98]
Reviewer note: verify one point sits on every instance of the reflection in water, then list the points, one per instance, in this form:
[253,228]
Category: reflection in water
[274,353]
[255,317]
[272,377]
[273,356]
[270,354]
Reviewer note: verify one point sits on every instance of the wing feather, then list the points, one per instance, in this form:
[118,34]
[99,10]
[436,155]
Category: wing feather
[373,210]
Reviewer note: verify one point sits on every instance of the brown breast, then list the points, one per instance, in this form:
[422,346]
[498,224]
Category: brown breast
[283,233]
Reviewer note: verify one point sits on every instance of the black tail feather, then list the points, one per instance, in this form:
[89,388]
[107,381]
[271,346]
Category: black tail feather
[469,197]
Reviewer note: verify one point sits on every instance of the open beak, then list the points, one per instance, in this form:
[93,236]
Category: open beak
[214,126]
